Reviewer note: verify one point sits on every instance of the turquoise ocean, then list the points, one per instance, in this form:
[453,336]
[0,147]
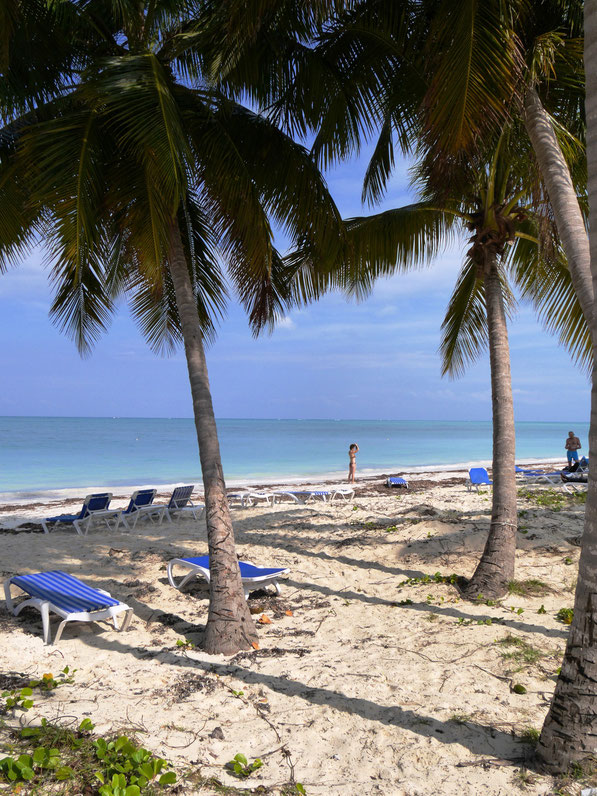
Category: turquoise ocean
[54,453]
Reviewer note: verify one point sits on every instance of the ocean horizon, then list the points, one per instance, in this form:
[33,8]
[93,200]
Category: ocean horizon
[57,453]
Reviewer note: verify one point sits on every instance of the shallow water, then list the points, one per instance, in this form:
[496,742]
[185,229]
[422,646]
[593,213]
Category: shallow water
[46,453]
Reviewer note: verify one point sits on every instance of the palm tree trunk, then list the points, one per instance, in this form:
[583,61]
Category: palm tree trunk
[562,197]
[570,730]
[229,624]
[496,567]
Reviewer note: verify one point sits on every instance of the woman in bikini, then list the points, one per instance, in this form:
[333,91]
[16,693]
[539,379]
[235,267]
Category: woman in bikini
[352,462]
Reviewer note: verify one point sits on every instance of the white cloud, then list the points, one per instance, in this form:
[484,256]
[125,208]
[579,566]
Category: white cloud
[286,323]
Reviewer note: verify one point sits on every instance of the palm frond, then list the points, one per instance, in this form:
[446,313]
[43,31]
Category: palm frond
[475,65]
[380,166]
[135,95]
[546,282]
[393,241]
[464,333]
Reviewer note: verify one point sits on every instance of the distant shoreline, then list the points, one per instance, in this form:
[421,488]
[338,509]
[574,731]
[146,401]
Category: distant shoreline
[364,477]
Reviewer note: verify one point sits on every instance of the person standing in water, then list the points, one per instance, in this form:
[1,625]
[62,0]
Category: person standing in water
[352,462]
[572,446]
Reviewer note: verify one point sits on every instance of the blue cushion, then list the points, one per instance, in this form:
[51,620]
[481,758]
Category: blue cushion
[246,570]
[64,518]
[63,590]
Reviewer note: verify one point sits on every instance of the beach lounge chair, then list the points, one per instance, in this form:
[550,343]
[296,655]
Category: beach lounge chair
[181,502]
[253,498]
[140,504]
[342,492]
[70,598]
[575,482]
[95,507]
[237,497]
[253,577]
[554,478]
[478,476]
[302,496]
[396,481]
[525,474]
[249,498]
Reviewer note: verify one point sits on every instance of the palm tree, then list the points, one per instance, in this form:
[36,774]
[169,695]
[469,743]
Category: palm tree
[514,242]
[141,180]
[570,728]
[442,74]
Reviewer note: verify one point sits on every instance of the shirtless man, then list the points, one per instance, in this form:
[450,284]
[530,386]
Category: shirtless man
[572,446]
[352,462]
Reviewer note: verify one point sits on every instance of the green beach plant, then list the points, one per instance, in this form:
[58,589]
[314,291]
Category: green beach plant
[241,768]
[565,615]
[51,754]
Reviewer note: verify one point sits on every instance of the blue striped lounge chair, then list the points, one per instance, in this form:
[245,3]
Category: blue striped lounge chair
[70,598]
[478,476]
[140,505]
[95,507]
[253,577]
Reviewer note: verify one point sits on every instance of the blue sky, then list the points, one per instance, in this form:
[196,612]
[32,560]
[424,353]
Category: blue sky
[335,359]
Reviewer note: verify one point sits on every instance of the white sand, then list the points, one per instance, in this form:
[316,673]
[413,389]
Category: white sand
[366,695]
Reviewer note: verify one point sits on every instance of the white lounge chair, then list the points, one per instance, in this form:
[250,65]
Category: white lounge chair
[342,492]
[249,498]
[237,497]
[140,505]
[254,498]
[302,496]
[69,597]
[181,502]
[253,577]
[95,507]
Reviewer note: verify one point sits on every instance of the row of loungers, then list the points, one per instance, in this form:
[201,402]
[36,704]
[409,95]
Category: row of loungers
[74,601]
[478,476]
[96,507]
[270,498]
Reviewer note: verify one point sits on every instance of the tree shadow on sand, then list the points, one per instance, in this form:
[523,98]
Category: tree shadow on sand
[479,739]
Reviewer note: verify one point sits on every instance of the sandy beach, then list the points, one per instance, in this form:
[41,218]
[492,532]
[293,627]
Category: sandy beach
[372,677]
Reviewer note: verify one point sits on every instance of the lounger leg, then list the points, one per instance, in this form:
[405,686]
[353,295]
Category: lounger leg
[183,582]
[45,623]
[78,529]
[8,596]
[128,615]
[277,587]
[45,527]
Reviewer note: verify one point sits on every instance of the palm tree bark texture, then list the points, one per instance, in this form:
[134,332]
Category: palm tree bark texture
[496,567]
[569,733]
[562,197]
[229,624]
